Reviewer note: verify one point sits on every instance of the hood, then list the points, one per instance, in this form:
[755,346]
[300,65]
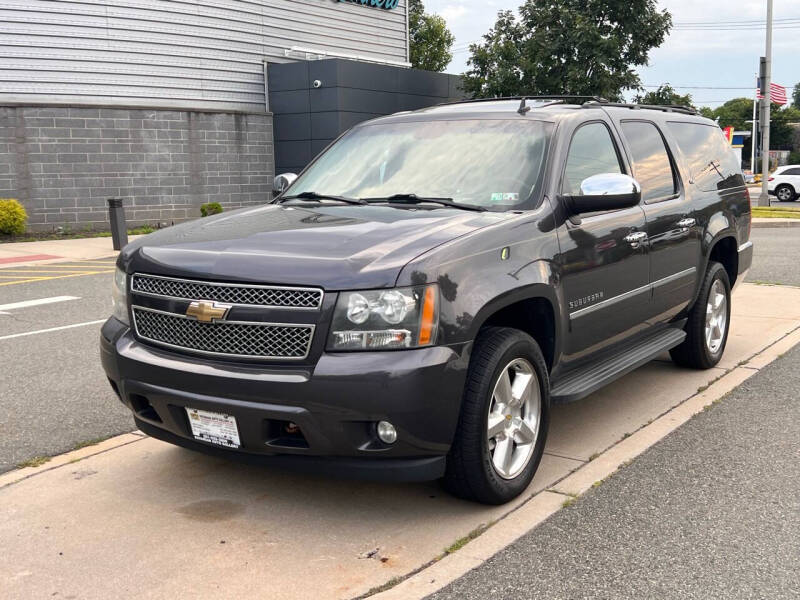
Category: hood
[333,247]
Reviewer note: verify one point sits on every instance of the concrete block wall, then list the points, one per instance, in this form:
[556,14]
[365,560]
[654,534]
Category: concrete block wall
[62,163]
[308,118]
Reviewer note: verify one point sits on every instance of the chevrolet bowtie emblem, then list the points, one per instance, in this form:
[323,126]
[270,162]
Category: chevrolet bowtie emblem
[207,311]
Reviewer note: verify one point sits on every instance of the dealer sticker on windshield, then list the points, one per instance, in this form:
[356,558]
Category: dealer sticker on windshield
[215,428]
[505,198]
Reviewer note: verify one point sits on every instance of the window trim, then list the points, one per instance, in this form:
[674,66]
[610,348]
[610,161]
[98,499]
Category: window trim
[676,180]
[622,165]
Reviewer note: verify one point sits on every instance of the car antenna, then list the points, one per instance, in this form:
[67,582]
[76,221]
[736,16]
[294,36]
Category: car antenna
[523,107]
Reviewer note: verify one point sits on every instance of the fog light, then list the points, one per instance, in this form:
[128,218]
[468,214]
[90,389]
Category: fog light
[386,432]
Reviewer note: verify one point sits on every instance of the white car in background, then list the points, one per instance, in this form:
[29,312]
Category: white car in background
[784,183]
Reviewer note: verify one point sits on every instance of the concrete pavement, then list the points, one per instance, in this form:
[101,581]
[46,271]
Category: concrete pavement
[150,520]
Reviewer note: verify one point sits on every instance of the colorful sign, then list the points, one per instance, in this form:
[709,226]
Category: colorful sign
[728,131]
[384,4]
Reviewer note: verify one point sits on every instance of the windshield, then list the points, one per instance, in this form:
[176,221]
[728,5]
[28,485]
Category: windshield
[495,164]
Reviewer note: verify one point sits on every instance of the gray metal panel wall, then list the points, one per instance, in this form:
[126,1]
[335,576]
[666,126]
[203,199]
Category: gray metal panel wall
[307,118]
[200,54]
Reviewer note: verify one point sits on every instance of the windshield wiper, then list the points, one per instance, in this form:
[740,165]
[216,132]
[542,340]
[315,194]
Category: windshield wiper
[316,196]
[414,199]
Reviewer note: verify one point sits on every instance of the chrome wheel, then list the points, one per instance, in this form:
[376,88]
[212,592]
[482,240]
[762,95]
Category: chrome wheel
[716,316]
[514,416]
[784,194]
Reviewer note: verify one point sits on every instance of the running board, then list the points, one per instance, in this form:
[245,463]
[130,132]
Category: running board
[581,383]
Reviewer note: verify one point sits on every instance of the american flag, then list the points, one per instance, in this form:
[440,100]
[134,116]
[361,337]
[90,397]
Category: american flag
[777,94]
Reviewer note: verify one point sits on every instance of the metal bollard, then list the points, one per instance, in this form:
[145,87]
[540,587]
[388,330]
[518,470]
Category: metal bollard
[119,229]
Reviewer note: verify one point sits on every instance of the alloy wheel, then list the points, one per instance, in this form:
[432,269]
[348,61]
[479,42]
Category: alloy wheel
[514,417]
[784,194]
[716,316]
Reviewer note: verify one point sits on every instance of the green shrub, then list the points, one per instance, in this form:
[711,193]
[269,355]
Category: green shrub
[210,208]
[794,158]
[12,217]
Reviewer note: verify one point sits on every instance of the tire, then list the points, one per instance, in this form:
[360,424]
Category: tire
[696,351]
[785,193]
[471,472]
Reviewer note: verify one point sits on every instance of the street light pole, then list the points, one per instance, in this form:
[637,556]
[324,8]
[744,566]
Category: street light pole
[763,199]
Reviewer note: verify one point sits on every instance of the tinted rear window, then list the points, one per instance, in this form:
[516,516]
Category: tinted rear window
[712,163]
[791,172]
[651,164]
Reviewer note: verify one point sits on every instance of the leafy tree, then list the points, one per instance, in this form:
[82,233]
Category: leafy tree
[796,95]
[664,95]
[429,38]
[735,113]
[581,47]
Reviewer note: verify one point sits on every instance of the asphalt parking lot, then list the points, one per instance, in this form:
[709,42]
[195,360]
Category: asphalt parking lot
[54,395]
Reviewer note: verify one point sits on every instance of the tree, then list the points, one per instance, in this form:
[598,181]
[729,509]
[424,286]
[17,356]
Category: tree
[429,39]
[575,47]
[664,95]
[796,95]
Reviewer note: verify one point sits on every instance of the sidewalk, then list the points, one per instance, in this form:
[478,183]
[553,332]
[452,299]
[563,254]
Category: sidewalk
[712,511]
[20,253]
[134,517]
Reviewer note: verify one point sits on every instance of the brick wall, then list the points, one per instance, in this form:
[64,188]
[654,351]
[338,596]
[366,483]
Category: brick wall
[63,163]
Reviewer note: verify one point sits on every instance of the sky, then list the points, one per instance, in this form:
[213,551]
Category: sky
[692,55]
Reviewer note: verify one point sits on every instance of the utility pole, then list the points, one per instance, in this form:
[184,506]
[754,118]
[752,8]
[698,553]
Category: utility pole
[763,199]
[753,140]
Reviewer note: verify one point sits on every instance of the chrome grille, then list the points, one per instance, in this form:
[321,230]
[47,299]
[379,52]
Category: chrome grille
[226,338]
[228,293]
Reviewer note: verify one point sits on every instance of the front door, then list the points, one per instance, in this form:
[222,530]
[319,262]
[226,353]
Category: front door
[604,259]
[672,229]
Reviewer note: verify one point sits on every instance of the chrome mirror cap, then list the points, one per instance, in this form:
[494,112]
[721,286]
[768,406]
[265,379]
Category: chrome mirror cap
[610,184]
[282,182]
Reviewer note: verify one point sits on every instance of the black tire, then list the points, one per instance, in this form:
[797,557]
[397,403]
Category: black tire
[694,351]
[470,473]
[789,189]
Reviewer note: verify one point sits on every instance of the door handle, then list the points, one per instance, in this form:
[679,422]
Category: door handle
[686,223]
[636,238]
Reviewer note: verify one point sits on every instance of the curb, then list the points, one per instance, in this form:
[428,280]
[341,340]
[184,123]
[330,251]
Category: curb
[765,224]
[546,503]
[17,475]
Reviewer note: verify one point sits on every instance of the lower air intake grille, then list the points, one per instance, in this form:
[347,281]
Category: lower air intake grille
[231,338]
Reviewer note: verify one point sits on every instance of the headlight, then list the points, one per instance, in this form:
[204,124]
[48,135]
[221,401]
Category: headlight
[385,319]
[119,296]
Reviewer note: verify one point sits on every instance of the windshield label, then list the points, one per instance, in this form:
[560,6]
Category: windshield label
[504,198]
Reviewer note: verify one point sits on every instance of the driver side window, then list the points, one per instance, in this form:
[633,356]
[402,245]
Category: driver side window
[591,152]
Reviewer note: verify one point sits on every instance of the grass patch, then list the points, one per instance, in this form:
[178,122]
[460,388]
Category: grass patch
[91,442]
[36,461]
[67,234]
[461,542]
[383,587]
[775,212]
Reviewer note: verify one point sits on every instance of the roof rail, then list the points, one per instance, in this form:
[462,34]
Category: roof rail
[584,101]
[676,108]
[560,97]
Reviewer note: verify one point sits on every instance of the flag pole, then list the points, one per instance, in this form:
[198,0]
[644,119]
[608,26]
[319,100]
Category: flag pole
[753,140]
[763,199]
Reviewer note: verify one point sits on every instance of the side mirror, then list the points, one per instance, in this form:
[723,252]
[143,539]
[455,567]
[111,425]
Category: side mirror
[606,191]
[282,182]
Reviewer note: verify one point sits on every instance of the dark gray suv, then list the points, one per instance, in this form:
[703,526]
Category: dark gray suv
[409,307]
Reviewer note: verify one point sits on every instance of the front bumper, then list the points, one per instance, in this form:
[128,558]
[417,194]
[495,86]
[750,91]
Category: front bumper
[335,404]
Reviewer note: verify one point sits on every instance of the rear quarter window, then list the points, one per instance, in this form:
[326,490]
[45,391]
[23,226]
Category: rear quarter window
[712,163]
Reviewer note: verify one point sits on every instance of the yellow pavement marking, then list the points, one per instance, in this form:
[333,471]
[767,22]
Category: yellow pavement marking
[56,277]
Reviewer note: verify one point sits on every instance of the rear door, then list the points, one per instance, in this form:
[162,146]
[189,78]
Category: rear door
[604,262]
[792,177]
[672,228]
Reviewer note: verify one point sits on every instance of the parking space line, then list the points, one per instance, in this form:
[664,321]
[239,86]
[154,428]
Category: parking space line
[26,333]
[49,277]
[38,302]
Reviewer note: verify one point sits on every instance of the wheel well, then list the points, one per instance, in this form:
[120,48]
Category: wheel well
[726,253]
[535,317]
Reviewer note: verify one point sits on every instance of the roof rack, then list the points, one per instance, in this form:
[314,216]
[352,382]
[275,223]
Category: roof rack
[583,101]
[676,108]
